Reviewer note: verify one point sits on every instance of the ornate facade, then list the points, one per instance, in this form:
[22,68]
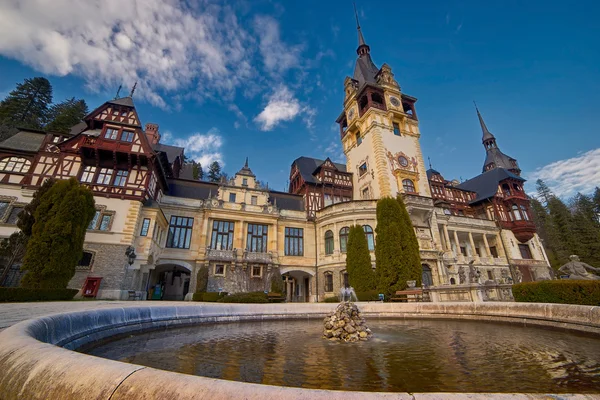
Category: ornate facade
[475,237]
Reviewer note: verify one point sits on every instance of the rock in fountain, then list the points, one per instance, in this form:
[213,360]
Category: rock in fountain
[346,324]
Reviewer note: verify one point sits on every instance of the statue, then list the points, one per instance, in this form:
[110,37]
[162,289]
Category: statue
[461,276]
[474,274]
[579,270]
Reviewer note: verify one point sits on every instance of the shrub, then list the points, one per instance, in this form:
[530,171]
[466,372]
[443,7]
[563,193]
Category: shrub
[202,279]
[559,291]
[358,261]
[276,282]
[12,294]
[370,295]
[208,296]
[251,297]
[333,299]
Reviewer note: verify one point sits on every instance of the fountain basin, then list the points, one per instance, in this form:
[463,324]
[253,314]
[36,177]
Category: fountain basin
[35,367]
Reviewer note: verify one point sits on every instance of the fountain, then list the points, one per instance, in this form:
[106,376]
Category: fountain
[346,323]
[347,294]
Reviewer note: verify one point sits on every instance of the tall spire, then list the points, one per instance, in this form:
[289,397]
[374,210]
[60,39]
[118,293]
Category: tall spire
[361,39]
[487,135]
[246,164]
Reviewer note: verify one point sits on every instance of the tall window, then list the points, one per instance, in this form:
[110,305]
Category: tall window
[257,238]
[344,238]
[525,251]
[101,221]
[370,238]
[127,136]
[396,129]
[328,282]
[111,134]
[493,251]
[408,185]
[516,213]
[15,164]
[253,200]
[3,207]
[524,212]
[88,174]
[358,139]
[121,178]
[362,169]
[145,227]
[294,241]
[232,197]
[13,217]
[329,242]
[345,280]
[180,232]
[104,176]
[222,235]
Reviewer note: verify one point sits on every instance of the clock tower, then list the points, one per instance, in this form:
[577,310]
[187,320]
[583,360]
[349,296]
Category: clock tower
[379,130]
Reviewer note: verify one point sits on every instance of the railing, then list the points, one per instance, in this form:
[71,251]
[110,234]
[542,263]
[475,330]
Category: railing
[416,200]
[258,257]
[221,255]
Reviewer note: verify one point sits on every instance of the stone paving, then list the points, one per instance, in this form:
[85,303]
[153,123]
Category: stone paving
[12,313]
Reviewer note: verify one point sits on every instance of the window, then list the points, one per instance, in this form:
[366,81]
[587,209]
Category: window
[55,139]
[358,139]
[396,129]
[329,242]
[127,136]
[344,238]
[245,182]
[219,269]
[101,221]
[362,169]
[180,232]
[328,282]
[15,164]
[516,213]
[222,235]
[145,227]
[88,174]
[345,280]
[257,238]
[409,186]
[506,190]
[256,271]
[86,259]
[294,241]
[447,211]
[463,251]
[254,200]
[121,178]
[525,251]
[370,238]
[3,207]
[494,251]
[477,251]
[104,176]
[524,212]
[490,275]
[232,197]
[13,217]
[111,134]
[365,194]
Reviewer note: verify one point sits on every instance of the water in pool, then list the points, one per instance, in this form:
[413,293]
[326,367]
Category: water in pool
[402,356]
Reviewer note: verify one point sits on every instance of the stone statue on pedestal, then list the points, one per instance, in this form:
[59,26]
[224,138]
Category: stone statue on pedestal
[576,269]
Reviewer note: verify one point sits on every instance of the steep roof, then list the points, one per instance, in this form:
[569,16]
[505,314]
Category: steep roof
[430,172]
[287,201]
[24,140]
[198,190]
[308,166]
[500,160]
[172,152]
[365,70]
[246,171]
[123,101]
[486,184]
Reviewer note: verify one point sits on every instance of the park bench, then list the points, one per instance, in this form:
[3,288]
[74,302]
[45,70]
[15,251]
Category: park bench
[133,295]
[410,295]
[275,298]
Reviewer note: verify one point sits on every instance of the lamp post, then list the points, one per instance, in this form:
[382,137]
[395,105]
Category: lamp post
[130,253]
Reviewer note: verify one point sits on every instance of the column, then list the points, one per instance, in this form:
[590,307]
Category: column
[473,252]
[288,284]
[447,237]
[457,244]
[487,246]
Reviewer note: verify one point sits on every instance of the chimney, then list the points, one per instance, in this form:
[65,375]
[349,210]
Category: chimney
[152,133]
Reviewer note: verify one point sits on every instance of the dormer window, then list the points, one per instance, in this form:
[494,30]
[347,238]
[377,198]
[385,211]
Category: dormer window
[245,182]
[127,136]
[111,134]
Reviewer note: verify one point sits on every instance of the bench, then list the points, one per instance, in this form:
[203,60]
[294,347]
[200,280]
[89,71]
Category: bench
[410,295]
[133,295]
[275,298]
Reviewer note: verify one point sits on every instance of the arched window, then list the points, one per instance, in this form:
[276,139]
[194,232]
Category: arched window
[358,139]
[409,186]
[506,189]
[426,276]
[516,213]
[344,238]
[525,213]
[15,164]
[328,242]
[328,282]
[370,238]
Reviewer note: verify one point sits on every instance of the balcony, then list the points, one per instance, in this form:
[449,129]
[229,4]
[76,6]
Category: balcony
[258,257]
[221,255]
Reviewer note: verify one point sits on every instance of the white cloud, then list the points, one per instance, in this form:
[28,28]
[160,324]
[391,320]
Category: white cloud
[203,148]
[277,56]
[168,46]
[567,177]
[282,106]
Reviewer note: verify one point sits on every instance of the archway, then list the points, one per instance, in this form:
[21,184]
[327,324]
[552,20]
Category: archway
[169,282]
[297,286]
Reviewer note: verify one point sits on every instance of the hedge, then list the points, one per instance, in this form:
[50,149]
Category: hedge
[559,291]
[371,295]
[208,296]
[333,299]
[12,294]
[251,297]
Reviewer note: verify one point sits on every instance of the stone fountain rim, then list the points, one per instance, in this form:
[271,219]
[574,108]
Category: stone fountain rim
[34,367]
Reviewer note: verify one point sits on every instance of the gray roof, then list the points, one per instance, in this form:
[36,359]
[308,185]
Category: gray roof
[24,141]
[123,101]
[486,133]
[486,184]
[500,160]
[192,189]
[365,70]
[308,165]
[287,201]
[80,127]
[246,171]
[430,172]
[172,152]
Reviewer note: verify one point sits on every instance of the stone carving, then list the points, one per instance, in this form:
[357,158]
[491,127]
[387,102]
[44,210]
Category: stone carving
[474,274]
[576,269]
[461,276]
[346,324]
[518,276]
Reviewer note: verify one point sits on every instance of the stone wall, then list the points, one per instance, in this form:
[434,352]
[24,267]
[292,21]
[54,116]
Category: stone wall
[238,279]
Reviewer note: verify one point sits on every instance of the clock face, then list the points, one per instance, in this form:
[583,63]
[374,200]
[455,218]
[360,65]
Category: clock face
[403,161]
[394,101]
[351,114]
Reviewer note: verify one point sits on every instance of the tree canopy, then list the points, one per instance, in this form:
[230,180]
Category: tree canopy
[214,172]
[358,261]
[65,115]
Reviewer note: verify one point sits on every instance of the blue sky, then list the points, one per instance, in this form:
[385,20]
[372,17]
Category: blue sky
[264,79]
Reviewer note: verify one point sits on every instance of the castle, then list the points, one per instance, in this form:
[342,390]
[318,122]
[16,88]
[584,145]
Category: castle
[475,237]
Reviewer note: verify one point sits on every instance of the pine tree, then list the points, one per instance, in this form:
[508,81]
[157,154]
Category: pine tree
[596,199]
[214,172]
[544,192]
[358,261]
[412,268]
[560,230]
[586,230]
[27,105]
[63,116]
[56,243]
[541,219]
[197,171]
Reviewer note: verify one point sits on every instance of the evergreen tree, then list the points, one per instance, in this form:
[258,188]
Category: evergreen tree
[544,192]
[27,216]
[397,251]
[560,230]
[197,171]
[541,219]
[277,282]
[596,199]
[56,243]
[586,230]
[27,105]
[63,116]
[214,172]
[358,261]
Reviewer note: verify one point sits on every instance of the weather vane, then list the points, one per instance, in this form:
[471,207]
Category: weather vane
[133,89]
[118,91]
